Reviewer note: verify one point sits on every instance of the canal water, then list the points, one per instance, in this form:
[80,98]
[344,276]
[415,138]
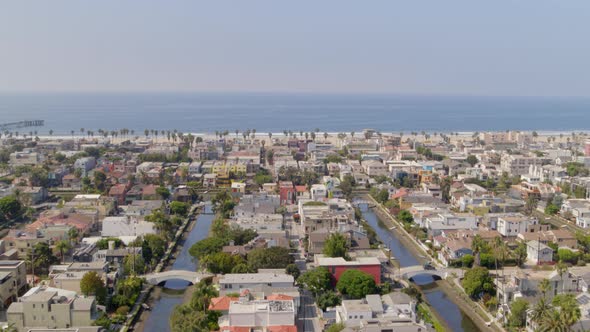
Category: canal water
[172,294]
[456,319]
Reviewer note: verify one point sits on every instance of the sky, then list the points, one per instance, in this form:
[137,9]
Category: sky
[451,47]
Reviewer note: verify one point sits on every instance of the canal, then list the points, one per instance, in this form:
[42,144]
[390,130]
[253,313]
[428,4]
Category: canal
[456,319]
[172,292]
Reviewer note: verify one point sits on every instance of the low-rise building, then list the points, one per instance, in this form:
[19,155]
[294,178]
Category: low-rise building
[538,253]
[52,308]
[238,281]
[338,265]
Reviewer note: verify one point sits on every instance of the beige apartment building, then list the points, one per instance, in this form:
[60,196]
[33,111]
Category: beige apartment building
[51,308]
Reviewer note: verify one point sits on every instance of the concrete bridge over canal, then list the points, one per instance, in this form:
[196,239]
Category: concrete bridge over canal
[410,272]
[189,276]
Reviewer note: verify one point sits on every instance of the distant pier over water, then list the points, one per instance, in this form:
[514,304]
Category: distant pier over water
[21,124]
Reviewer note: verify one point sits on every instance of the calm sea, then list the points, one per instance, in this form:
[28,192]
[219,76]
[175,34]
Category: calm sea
[277,112]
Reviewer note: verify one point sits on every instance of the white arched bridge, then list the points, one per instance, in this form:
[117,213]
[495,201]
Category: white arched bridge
[189,276]
[410,272]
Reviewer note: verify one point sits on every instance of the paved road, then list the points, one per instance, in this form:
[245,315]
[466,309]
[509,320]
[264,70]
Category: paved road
[308,318]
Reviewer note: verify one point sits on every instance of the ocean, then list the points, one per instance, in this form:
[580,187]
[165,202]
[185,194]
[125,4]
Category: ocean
[275,112]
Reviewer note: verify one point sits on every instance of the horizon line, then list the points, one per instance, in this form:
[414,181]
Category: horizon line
[279,93]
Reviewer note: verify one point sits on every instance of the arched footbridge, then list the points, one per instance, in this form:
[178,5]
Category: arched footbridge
[411,271]
[189,276]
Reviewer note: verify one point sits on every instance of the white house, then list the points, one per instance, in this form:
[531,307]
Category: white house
[538,252]
[514,224]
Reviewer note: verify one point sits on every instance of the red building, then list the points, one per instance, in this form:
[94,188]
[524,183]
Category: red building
[338,265]
[287,192]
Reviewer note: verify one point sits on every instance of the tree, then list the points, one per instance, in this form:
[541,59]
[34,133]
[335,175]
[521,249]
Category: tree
[62,246]
[269,258]
[518,310]
[100,180]
[356,284]
[540,311]
[405,216]
[328,299]
[92,284]
[477,282]
[520,254]
[206,246]
[179,208]
[471,160]
[336,245]
[240,268]
[316,281]
[10,207]
[336,327]
[467,260]
[221,262]
[567,256]
[133,264]
[42,258]
[163,192]
[293,270]
[195,315]
[531,204]
[551,209]
[568,308]
[161,222]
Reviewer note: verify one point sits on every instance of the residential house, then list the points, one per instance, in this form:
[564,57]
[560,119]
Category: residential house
[538,253]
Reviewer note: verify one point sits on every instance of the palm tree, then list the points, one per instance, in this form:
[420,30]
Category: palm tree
[270,136]
[476,246]
[541,311]
[62,246]
[73,235]
[553,322]
[544,286]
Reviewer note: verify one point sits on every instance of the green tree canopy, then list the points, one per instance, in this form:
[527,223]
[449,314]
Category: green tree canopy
[518,310]
[293,270]
[221,262]
[163,192]
[206,246]
[471,160]
[269,258]
[356,284]
[405,216]
[92,284]
[133,264]
[336,245]
[179,208]
[10,207]
[316,281]
[477,281]
[42,258]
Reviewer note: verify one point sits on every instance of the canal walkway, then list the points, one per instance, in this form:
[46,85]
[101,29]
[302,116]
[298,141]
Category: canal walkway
[469,309]
[406,254]
[162,301]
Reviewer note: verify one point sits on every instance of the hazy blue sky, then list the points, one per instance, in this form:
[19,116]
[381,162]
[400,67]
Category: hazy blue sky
[500,47]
